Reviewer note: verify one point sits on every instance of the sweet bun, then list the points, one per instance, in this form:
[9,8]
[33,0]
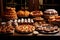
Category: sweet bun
[27,13]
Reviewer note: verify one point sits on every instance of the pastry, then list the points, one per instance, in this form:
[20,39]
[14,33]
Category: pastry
[20,13]
[23,13]
[47,28]
[7,28]
[9,14]
[27,13]
[36,13]
[25,28]
[38,19]
[50,12]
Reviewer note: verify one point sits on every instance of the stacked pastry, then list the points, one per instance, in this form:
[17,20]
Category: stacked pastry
[55,20]
[10,14]
[50,12]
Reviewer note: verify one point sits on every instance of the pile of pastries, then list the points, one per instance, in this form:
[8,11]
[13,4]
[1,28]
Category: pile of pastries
[38,22]
[22,13]
[26,13]
[10,14]
[50,12]
[46,28]
[5,28]
[55,20]
[25,28]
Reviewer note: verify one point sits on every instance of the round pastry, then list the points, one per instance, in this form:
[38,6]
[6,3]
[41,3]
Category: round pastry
[36,13]
[20,13]
[23,13]
[51,12]
[38,19]
[27,13]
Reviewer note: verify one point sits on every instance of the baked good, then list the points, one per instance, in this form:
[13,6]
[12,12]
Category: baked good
[25,28]
[50,12]
[27,13]
[20,13]
[47,28]
[36,13]
[6,29]
[38,19]
[57,17]
[23,13]
[9,14]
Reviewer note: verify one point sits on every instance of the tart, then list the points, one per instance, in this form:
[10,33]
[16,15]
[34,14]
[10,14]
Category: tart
[25,28]
[46,28]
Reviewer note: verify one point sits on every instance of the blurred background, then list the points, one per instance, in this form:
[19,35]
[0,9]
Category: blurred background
[30,4]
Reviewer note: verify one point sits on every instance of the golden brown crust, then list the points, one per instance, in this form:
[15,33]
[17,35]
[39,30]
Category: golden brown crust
[23,13]
[36,13]
[25,28]
[57,17]
[10,13]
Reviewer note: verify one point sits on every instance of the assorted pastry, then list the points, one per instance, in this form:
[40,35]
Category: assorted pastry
[40,26]
[10,14]
[6,28]
[50,12]
[47,28]
[22,13]
[36,13]
[25,28]
[55,20]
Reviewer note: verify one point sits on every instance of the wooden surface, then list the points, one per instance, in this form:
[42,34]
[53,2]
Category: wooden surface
[16,34]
